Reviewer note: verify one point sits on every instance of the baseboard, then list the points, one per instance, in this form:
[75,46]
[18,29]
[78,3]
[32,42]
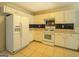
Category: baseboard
[14,52]
[43,43]
[67,48]
[56,46]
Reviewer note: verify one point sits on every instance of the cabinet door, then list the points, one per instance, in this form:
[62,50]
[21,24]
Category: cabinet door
[76,25]
[70,16]
[59,39]
[59,17]
[72,41]
[7,9]
[53,38]
[38,35]
[16,32]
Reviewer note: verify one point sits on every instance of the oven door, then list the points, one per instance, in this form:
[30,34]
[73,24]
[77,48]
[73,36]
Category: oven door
[48,37]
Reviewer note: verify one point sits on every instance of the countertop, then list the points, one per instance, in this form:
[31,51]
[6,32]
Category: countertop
[37,29]
[56,30]
[65,31]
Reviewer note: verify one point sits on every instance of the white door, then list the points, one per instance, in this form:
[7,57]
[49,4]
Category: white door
[16,32]
[25,31]
[9,33]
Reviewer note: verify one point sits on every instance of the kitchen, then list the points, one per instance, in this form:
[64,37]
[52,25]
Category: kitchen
[51,31]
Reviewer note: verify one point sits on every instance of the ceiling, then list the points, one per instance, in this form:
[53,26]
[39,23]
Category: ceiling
[38,6]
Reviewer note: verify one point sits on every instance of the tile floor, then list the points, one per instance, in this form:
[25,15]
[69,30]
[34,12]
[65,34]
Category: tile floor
[36,49]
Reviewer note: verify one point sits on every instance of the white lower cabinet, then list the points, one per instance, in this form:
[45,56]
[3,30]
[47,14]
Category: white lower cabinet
[72,41]
[67,40]
[59,41]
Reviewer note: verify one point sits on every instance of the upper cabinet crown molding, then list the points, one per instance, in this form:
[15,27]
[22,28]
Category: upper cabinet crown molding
[16,7]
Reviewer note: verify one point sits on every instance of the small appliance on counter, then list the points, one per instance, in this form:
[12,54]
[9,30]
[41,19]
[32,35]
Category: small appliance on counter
[50,24]
[49,30]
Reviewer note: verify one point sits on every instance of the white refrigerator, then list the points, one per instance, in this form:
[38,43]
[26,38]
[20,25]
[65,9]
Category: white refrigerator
[17,32]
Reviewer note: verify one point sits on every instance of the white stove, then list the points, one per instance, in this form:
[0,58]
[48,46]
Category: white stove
[49,36]
[49,31]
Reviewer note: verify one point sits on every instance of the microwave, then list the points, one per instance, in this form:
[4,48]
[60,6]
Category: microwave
[65,26]
[50,22]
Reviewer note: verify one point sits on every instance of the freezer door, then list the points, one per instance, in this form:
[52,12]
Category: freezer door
[9,33]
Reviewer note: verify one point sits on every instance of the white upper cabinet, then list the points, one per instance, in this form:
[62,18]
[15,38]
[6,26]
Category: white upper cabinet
[7,9]
[59,17]
[70,16]
[17,19]
[10,10]
[66,16]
